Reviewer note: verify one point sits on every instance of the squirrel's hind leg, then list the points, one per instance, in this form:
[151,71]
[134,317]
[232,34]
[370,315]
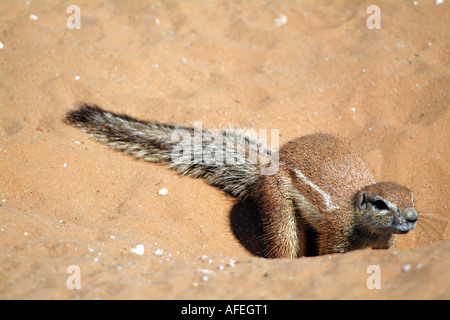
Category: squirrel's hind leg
[284,234]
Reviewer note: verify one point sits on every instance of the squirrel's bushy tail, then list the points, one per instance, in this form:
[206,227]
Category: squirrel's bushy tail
[225,158]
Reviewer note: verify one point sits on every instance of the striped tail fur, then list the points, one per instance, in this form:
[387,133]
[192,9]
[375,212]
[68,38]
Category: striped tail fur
[205,154]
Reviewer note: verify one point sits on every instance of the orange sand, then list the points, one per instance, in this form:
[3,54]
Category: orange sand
[66,200]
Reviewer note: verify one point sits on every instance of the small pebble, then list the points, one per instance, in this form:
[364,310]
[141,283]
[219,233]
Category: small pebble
[163,192]
[205,271]
[280,21]
[33,17]
[139,249]
[158,252]
[406,267]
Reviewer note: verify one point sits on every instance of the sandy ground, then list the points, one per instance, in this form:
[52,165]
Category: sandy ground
[68,201]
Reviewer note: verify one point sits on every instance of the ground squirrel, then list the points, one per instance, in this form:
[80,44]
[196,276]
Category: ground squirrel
[322,194]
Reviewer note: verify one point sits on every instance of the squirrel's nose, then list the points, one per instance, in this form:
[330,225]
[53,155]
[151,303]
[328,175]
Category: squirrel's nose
[411,215]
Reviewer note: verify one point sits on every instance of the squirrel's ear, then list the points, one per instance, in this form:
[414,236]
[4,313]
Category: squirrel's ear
[362,201]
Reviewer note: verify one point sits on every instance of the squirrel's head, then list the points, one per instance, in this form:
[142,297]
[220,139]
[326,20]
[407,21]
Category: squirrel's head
[385,207]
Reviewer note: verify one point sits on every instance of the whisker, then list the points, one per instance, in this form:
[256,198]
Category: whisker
[440,219]
[431,228]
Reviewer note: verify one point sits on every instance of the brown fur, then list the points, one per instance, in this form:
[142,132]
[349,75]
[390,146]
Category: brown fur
[323,194]
[319,178]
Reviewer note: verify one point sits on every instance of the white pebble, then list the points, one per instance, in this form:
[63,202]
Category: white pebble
[438,2]
[163,192]
[157,21]
[77,142]
[139,249]
[205,271]
[406,267]
[1,45]
[231,263]
[77,78]
[353,109]
[65,165]
[25,234]
[33,17]
[158,252]
[280,21]
[113,237]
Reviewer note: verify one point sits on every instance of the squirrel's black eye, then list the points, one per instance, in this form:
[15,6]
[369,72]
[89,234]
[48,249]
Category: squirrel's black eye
[380,205]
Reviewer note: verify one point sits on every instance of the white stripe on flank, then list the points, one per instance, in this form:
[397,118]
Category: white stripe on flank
[325,195]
